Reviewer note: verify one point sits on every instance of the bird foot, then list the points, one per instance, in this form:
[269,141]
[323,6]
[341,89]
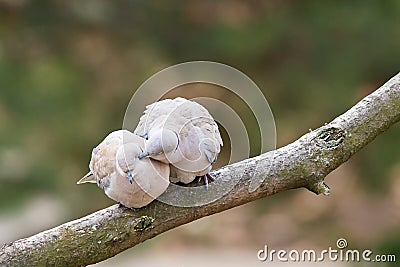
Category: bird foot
[207,177]
[122,206]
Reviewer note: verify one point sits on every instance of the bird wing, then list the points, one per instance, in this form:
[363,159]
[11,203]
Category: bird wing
[210,138]
[206,129]
[126,157]
[153,113]
[182,116]
[150,177]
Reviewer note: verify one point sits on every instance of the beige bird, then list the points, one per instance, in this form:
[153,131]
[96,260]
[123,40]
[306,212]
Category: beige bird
[116,169]
[183,133]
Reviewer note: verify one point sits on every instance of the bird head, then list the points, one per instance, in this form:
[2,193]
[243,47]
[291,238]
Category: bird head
[162,141]
[102,162]
[126,156]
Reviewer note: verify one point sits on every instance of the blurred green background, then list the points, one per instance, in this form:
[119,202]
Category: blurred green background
[69,68]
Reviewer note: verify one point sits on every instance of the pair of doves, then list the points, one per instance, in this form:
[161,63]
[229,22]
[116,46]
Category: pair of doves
[176,140]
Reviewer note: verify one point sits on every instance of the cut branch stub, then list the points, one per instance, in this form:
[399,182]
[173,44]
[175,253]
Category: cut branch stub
[329,139]
[327,147]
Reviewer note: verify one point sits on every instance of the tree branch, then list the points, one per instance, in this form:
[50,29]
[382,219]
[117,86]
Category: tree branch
[303,163]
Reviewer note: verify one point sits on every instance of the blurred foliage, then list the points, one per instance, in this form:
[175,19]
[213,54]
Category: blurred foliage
[69,68]
[391,244]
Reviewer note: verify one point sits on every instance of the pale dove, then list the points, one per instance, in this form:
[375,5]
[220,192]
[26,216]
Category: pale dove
[183,133]
[116,169]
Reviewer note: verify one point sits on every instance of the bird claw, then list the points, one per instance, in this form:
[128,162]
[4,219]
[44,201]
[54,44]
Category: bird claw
[207,177]
[130,177]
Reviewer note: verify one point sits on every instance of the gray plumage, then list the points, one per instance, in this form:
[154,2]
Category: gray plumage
[115,160]
[183,133]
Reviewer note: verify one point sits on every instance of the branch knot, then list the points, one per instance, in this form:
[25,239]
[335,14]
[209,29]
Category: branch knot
[330,138]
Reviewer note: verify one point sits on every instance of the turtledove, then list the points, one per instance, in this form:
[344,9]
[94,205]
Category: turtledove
[116,169]
[183,133]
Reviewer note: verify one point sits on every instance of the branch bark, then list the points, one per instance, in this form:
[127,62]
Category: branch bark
[303,163]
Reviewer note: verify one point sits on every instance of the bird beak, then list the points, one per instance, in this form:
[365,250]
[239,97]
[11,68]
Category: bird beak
[143,155]
[88,178]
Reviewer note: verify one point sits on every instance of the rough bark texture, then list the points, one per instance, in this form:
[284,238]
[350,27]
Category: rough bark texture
[303,163]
